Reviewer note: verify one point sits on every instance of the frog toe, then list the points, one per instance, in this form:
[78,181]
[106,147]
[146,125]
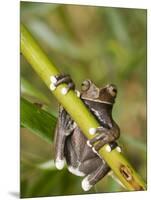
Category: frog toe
[86,184]
[59,163]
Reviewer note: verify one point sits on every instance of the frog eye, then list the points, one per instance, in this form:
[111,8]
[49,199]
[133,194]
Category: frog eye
[85,85]
[112,90]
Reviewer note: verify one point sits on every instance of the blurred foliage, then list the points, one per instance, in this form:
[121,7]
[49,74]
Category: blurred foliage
[106,45]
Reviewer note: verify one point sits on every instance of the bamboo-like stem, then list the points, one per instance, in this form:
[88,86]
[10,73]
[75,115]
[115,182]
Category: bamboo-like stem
[79,112]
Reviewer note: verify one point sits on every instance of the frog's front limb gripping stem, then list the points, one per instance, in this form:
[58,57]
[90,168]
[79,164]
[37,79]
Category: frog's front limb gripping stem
[59,79]
[105,136]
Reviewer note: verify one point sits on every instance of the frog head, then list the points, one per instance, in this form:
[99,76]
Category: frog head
[107,94]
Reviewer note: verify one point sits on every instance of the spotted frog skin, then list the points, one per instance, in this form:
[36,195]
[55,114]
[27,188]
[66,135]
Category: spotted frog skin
[72,146]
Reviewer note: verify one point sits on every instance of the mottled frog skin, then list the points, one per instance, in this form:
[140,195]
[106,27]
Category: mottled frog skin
[70,143]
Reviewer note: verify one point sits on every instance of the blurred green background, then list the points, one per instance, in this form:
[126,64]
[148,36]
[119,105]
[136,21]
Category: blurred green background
[106,45]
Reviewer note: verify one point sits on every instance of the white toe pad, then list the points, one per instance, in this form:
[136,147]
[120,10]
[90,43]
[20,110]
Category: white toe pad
[59,164]
[118,149]
[52,87]
[86,185]
[108,148]
[53,79]
[64,91]
[92,131]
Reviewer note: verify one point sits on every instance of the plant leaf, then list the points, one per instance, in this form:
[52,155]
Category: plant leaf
[37,120]
[27,89]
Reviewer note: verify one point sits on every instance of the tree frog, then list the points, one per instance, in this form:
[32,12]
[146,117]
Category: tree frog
[72,146]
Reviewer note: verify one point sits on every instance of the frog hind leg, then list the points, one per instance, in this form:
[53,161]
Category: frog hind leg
[91,179]
[72,159]
[65,127]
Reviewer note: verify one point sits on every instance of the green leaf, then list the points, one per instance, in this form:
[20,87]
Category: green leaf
[37,120]
[27,89]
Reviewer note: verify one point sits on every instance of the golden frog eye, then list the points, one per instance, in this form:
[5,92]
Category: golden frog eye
[85,85]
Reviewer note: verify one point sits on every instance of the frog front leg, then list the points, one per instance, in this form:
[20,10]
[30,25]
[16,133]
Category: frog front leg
[59,79]
[105,136]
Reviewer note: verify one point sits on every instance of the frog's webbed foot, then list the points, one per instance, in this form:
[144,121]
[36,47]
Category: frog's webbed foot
[59,79]
[104,136]
[92,178]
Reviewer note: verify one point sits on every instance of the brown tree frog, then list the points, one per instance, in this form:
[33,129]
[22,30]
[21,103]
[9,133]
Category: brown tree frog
[70,143]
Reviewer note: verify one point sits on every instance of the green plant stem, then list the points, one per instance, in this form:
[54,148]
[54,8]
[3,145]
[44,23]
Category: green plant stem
[79,112]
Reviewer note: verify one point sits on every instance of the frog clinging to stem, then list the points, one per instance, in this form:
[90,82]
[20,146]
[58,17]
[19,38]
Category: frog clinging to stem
[81,154]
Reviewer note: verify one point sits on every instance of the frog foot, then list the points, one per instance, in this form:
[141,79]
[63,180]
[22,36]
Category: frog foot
[86,184]
[59,163]
[59,79]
